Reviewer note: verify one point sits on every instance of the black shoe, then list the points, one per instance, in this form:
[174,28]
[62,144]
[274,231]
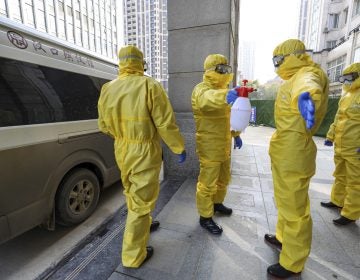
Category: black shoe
[329,205]
[221,208]
[149,253]
[210,225]
[272,241]
[280,272]
[343,221]
[154,226]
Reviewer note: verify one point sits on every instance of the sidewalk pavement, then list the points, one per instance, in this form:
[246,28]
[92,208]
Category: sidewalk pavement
[184,250]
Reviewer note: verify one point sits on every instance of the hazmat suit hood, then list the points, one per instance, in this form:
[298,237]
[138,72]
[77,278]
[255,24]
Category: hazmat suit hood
[355,67]
[131,61]
[295,58]
[212,78]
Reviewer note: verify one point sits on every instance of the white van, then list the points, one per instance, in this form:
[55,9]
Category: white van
[54,161]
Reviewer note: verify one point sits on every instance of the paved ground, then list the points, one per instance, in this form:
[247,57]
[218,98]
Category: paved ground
[183,250]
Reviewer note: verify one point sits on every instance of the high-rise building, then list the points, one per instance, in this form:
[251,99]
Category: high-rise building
[312,18]
[246,60]
[333,34]
[303,20]
[95,25]
[145,26]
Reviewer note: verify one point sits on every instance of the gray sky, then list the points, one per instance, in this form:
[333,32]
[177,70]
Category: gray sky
[267,23]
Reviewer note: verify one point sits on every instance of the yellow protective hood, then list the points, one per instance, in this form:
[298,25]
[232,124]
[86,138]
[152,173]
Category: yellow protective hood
[212,78]
[355,67]
[131,61]
[295,59]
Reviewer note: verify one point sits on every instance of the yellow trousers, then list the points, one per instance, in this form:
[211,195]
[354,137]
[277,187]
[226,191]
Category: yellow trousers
[141,191]
[212,186]
[292,167]
[294,224]
[346,189]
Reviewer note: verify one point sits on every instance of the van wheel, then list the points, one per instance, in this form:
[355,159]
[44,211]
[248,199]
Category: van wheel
[77,197]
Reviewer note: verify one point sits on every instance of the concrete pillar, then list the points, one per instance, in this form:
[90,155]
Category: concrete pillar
[196,29]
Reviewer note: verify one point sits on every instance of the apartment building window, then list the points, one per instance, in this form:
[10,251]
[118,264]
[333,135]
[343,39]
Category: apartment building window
[78,31]
[3,8]
[61,28]
[40,16]
[92,26]
[92,41]
[69,13]
[16,11]
[98,44]
[335,68]
[77,16]
[103,47]
[78,38]
[331,44]
[70,25]
[115,50]
[29,15]
[346,13]
[334,21]
[70,33]
[356,7]
[85,23]
[52,21]
[90,5]
[357,55]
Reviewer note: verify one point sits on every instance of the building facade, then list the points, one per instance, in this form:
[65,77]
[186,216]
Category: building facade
[95,25]
[332,33]
[145,26]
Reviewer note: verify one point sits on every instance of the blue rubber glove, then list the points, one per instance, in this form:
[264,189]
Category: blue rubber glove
[231,96]
[182,157]
[358,150]
[307,109]
[237,142]
[328,142]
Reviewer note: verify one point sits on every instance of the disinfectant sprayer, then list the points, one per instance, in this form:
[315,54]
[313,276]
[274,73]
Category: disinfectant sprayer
[241,109]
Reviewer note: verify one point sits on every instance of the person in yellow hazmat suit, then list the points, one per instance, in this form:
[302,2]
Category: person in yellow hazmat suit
[300,106]
[345,134]
[213,139]
[135,110]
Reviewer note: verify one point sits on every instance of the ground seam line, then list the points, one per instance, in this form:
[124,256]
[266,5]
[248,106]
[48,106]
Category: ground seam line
[94,253]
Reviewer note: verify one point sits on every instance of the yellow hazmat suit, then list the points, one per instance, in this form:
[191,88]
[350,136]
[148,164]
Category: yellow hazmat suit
[293,151]
[135,111]
[345,133]
[213,136]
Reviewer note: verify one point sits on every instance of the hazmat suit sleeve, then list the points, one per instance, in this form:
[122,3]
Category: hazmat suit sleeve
[308,82]
[164,119]
[211,99]
[101,122]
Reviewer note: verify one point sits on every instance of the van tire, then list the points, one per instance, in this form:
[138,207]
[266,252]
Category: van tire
[77,197]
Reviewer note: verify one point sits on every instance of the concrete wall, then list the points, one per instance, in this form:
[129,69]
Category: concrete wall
[196,29]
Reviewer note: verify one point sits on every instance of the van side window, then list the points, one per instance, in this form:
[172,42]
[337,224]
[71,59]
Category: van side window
[34,94]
